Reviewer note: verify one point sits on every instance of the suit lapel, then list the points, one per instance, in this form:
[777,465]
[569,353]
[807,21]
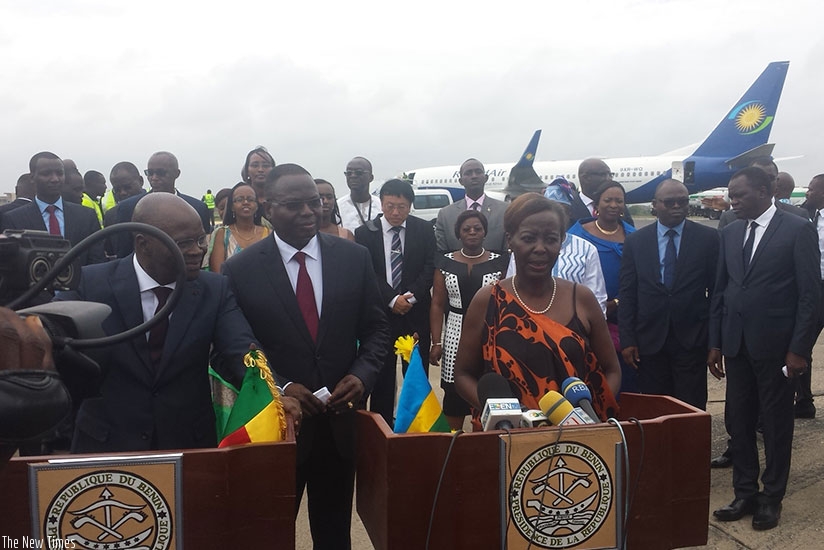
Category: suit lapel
[772,227]
[278,279]
[180,321]
[735,249]
[685,252]
[127,295]
[331,279]
[35,218]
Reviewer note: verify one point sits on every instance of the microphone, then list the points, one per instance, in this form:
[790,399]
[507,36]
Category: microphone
[501,410]
[577,393]
[533,418]
[560,412]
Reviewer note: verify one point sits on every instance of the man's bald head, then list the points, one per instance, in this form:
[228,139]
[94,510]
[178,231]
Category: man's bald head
[784,186]
[181,222]
[591,174]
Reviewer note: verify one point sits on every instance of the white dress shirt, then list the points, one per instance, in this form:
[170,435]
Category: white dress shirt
[148,299]
[763,221]
[313,265]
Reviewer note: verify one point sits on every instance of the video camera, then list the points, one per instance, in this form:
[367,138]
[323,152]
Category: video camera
[26,257]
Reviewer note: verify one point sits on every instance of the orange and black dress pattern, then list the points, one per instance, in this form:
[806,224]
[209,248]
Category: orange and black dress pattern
[536,354]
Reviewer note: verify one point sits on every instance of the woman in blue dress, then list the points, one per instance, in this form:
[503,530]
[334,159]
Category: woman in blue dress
[607,231]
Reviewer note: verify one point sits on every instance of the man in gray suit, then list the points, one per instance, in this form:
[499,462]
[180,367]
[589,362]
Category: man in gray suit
[473,178]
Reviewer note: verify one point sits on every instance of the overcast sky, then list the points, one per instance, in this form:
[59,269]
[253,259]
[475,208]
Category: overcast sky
[407,85]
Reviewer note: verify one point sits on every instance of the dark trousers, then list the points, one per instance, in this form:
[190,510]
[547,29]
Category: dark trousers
[676,371]
[803,384]
[329,479]
[753,385]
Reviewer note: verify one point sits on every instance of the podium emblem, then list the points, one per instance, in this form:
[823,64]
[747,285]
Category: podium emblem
[560,495]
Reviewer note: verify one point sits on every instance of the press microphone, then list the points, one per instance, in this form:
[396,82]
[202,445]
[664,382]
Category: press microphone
[533,418]
[501,410]
[577,393]
[560,412]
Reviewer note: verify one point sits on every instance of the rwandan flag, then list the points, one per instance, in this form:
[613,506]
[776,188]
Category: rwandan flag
[257,414]
[418,408]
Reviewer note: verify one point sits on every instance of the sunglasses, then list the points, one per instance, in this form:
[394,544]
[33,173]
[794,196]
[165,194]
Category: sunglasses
[669,203]
[186,244]
[297,206]
[160,172]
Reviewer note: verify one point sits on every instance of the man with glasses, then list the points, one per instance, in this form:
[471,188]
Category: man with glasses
[162,172]
[591,174]
[402,248]
[667,278]
[359,206]
[155,392]
[473,178]
[313,302]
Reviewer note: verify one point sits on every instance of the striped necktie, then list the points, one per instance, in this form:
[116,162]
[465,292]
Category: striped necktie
[397,257]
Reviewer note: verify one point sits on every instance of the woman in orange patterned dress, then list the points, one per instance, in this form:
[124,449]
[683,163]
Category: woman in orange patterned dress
[534,329]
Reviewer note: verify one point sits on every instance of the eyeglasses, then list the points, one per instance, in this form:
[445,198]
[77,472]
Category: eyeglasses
[355,173]
[669,203]
[297,206]
[160,172]
[238,200]
[389,207]
[186,244]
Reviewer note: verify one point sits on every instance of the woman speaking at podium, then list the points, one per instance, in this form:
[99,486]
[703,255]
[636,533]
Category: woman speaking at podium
[534,329]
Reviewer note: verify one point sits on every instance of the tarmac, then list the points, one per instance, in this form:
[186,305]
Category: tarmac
[801,526]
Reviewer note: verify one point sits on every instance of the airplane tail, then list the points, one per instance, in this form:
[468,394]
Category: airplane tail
[749,122]
[522,176]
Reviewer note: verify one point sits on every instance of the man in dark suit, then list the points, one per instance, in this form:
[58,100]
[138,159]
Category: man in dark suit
[403,255]
[162,172]
[592,173]
[24,194]
[768,165]
[313,303]
[665,298]
[473,178]
[155,392]
[49,212]
[764,316]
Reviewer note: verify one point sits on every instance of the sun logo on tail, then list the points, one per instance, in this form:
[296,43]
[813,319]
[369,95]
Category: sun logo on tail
[750,117]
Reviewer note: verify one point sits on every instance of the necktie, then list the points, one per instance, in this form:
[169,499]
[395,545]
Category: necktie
[475,206]
[305,293]
[670,257]
[816,216]
[749,244]
[157,336]
[54,225]
[397,258]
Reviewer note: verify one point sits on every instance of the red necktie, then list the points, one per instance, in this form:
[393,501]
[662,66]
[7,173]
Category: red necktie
[305,294]
[157,336]
[54,225]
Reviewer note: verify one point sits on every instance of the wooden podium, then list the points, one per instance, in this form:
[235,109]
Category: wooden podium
[398,475]
[236,497]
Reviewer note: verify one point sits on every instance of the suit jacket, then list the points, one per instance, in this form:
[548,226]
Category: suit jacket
[579,211]
[728,216]
[648,309]
[417,275]
[79,223]
[772,307]
[124,242]
[447,216]
[169,407]
[16,203]
[353,335]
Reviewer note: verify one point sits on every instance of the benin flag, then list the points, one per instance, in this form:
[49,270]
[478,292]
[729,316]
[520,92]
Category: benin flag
[257,415]
[418,408]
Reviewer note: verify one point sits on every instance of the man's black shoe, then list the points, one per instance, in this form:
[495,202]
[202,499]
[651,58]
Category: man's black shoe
[721,461]
[804,409]
[766,516]
[737,509]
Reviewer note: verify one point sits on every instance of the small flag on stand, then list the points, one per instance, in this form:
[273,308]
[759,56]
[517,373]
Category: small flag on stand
[257,415]
[418,408]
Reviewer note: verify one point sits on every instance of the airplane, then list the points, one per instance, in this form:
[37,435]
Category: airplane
[740,137]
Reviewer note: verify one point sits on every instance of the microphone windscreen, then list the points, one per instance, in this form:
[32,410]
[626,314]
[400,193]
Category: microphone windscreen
[493,385]
[575,390]
[555,407]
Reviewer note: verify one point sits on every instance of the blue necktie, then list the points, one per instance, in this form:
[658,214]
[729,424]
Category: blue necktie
[397,258]
[670,257]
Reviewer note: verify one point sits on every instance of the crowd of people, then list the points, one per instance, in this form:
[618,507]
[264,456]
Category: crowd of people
[546,287]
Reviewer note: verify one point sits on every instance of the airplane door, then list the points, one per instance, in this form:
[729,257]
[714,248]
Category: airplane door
[678,170]
[689,173]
